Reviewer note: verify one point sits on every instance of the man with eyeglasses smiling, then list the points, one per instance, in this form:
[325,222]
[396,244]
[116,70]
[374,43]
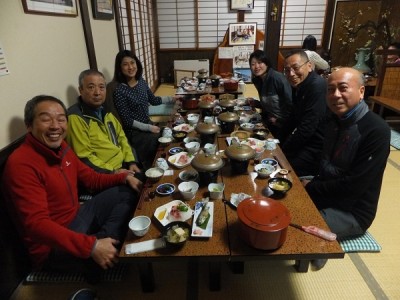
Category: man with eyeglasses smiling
[302,136]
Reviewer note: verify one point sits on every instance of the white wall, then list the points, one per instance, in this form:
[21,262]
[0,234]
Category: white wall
[45,55]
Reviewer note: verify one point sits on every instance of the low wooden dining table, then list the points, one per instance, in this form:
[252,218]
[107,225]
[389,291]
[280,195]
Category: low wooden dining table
[225,245]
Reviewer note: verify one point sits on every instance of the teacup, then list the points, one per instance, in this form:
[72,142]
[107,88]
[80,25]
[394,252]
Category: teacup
[210,148]
[192,147]
[193,119]
[216,190]
[167,132]
[188,189]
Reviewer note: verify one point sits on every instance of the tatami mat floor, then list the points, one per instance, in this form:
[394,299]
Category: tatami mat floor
[357,276]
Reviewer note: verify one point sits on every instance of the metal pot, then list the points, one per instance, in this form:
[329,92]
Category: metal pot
[228,121]
[215,80]
[202,77]
[207,132]
[227,104]
[207,165]
[240,156]
[263,222]
[206,107]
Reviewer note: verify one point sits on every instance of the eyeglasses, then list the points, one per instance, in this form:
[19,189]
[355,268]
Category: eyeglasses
[295,69]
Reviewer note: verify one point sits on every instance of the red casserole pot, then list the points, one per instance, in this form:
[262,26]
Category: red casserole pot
[263,222]
[190,103]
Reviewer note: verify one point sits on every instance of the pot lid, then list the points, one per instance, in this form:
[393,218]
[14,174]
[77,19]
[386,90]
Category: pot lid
[206,104]
[227,102]
[228,117]
[207,162]
[202,71]
[207,128]
[240,151]
[263,213]
[215,76]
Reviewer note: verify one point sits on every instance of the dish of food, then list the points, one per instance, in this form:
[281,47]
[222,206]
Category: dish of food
[202,225]
[177,233]
[241,134]
[189,175]
[190,88]
[165,189]
[254,143]
[173,211]
[184,127]
[175,150]
[270,161]
[180,160]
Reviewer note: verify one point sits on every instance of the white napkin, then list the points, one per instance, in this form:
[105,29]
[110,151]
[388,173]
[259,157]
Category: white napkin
[134,248]
[237,198]
[168,172]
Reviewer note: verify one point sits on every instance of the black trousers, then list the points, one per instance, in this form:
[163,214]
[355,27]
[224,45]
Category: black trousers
[145,144]
[105,215]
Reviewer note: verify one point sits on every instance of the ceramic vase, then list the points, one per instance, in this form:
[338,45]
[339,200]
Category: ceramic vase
[362,56]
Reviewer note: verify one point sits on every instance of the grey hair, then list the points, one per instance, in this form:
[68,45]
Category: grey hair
[88,72]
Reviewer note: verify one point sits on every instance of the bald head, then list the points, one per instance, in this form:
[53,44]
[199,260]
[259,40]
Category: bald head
[345,90]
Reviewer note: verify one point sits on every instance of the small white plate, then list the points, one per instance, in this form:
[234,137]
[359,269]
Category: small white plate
[162,213]
[175,160]
[198,231]
[184,127]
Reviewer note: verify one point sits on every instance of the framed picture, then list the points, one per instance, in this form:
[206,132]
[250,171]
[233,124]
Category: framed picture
[241,55]
[242,34]
[65,8]
[102,9]
[243,73]
[242,4]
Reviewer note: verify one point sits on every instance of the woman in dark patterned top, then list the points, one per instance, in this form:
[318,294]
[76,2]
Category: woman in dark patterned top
[132,98]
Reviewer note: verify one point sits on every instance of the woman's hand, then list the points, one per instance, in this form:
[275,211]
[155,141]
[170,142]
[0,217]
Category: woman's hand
[154,129]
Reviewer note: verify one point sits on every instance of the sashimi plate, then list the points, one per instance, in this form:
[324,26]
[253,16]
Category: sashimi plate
[164,216]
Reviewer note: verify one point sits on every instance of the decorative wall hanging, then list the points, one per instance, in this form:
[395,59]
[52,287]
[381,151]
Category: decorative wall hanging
[242,34]
[102,9]
[242,4]
[65,8]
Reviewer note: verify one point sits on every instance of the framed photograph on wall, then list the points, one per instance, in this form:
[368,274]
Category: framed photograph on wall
[242,4]
[102,9]
[242,34]
[65,8]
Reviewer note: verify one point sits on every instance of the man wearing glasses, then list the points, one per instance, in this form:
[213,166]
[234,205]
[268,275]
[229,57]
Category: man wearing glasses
[302,134]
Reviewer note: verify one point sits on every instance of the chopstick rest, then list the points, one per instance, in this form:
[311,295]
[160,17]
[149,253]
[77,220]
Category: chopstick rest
[134,248]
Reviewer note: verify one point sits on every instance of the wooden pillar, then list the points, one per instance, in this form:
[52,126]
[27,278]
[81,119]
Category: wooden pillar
[273,17]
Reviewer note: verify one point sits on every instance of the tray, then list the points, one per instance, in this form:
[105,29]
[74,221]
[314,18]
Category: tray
[198,231]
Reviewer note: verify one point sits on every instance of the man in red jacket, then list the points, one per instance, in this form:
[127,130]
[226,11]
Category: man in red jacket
[40,183]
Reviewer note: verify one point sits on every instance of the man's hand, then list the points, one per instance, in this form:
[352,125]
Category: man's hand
[154,129]
[134,168]
[104,253]
[134,183]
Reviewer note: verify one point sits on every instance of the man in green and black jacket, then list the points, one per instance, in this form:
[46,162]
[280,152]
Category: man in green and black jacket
[95,135]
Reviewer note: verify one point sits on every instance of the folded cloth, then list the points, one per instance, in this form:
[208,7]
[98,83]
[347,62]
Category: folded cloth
[134,248]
